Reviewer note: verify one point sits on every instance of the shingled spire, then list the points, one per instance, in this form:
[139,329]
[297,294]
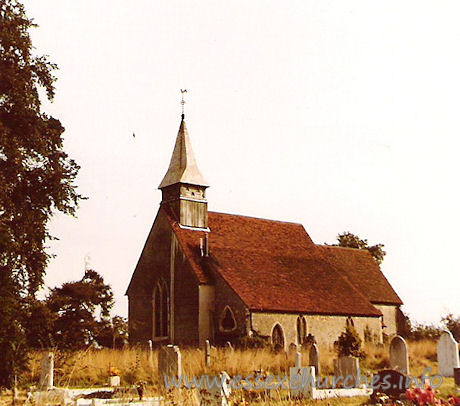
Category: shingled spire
[183,186]
[183,167]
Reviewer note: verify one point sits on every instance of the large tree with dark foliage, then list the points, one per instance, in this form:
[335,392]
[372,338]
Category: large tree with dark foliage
[82,311]
[36,175]
[351,240]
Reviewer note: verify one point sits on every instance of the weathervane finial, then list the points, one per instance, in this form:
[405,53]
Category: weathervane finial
[183,101]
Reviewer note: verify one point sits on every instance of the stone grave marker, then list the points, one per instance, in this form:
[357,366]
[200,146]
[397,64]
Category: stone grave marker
[169,361]
[389,382]
[301,382]
[346,366]
[229,346]
[47,373]
[448,358]
[399,355]
[150,352]
[314,359]
[207,353]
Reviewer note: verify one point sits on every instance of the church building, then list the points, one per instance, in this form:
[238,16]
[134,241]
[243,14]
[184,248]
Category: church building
[207,275]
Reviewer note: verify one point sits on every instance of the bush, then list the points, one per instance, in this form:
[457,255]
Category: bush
[349,344]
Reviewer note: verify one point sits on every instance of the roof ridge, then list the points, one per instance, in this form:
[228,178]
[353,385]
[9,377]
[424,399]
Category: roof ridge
[256,218]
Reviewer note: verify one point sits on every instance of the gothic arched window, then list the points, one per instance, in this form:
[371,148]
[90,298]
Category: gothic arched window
[160,310]
[350,322]
[278,338]
[301,329]
[227,321]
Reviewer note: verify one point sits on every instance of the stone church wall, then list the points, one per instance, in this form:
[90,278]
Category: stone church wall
[225,296]
[325,329]
[186,300]
[389,318]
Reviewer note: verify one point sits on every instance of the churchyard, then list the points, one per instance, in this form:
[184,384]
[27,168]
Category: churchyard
[138,371]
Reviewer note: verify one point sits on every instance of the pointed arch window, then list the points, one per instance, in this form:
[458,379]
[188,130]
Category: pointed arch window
[278,337]
[350,322]
[227,320]
[301,330]
[160,310]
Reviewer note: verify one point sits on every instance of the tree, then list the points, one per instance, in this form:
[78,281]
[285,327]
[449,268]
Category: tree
[36,179]
[36,175]
[82,309]
[12,336]
[113,334]
[351,240]
[453,325]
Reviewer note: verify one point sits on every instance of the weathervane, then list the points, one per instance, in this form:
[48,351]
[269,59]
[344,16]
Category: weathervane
[183,101]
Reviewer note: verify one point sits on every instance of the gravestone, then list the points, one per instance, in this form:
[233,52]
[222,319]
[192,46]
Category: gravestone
[150,352]
[207,353]
[301,382]
[389,382]
[169,361]
[347,366]
[213,394]
[229,346]
[314,359]
[47,373]
[399,355]
[298,360]
[448,358]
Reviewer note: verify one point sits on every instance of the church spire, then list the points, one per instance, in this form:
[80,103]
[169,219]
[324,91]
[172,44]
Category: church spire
[183,187]
[183,167]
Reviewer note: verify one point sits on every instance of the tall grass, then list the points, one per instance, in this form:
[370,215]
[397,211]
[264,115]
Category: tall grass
[91,367]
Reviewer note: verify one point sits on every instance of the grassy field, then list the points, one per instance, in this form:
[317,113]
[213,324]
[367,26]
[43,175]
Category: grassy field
[91,368]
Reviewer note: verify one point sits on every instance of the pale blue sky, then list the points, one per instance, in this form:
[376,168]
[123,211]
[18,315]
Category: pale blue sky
[340,115]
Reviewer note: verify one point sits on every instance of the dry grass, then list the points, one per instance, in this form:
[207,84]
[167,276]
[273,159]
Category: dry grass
[92,367]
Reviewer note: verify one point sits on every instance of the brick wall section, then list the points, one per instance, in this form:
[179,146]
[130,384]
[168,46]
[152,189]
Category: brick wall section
[389,318]
[326,329]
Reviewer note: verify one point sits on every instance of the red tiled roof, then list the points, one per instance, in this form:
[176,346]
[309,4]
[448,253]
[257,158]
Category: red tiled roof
[362,270]
[272,266]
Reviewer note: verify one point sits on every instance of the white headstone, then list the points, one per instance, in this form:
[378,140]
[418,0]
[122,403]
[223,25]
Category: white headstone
[302,382]
[169,361]
[47,375]
[298,360]
[150,352]
[216,394]
[314,359]
[448,358]
[399,355]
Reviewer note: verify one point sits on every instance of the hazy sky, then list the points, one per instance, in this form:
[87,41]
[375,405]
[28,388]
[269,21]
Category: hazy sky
[340,115]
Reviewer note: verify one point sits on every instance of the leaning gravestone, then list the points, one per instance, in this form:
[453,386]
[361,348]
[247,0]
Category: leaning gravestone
[314,359]
[399,355]
[46,378]
[448,358]
[346,367]
[169,361]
